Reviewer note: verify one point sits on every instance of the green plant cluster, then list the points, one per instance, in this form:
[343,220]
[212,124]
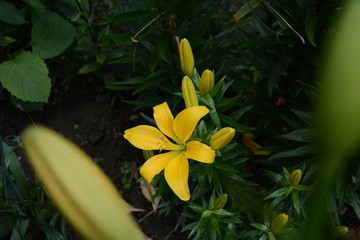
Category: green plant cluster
[266,57]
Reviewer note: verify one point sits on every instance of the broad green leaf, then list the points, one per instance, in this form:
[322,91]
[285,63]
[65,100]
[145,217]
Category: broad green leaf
[246,8]
[11,15]
[26,77]
[25,105]
[51,35]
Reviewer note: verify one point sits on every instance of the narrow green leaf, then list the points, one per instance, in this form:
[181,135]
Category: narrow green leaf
[246,9]
[298,152]
[238,127]
[300,135]
[355,202]
[4,41]
[278,193]
[310,27]
[16,170]
[259,226]
[90,67]
[296,201]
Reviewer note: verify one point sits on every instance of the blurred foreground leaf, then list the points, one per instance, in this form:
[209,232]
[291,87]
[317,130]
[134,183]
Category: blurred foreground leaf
[339,114]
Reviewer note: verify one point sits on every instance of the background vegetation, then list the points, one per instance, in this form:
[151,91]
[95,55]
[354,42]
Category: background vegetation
[269,53]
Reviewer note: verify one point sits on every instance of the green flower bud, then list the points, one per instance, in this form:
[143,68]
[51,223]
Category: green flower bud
[340,230]
[278,222]
[189,93]
[222,137]
[186,57]
[220,202]
[295,177]
[206,82]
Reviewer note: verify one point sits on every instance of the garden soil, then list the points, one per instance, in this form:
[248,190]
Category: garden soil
[95,119]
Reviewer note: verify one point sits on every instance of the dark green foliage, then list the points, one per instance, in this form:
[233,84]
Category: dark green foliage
[266,57]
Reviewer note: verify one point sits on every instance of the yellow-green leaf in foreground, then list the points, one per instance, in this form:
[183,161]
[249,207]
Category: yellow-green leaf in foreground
[82,192]
[339,115]
[339,108]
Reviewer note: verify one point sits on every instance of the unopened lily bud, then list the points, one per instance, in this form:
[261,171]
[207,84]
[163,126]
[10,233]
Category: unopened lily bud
[80,189]
[189,92]
[222,137]
[186,57]
[340,230]
[206,82]
[278,222]
[295,177]
[220,202]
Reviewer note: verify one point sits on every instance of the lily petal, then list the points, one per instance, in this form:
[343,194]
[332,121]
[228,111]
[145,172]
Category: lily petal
[156,164]
[176,175]
[200,152]
[185,122]
[165,120]
[149,138]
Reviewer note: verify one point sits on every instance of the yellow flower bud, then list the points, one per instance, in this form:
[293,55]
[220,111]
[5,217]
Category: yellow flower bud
[254,147]
[186,57]
[82,192]
[278,222]
[340,230]
[222,137]
[295,177]
[189,93]
[206,82]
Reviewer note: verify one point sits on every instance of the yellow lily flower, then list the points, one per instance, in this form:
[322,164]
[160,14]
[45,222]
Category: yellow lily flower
[175,162]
